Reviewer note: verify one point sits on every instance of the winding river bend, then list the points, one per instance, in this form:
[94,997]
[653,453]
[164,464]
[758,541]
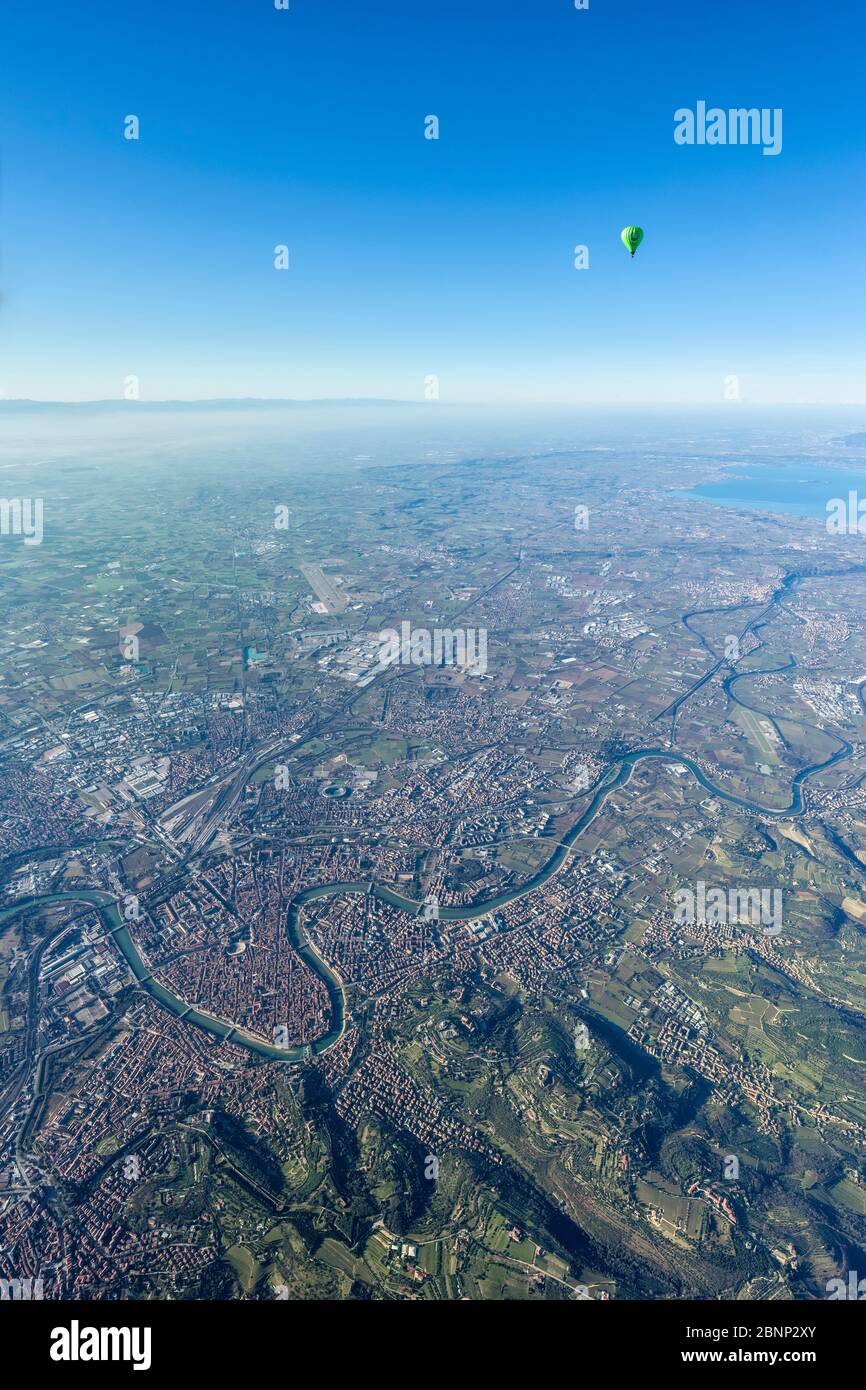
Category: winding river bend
[115,927]
[617,776]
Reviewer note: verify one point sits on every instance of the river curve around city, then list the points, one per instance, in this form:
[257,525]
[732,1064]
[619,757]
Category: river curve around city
[616,777]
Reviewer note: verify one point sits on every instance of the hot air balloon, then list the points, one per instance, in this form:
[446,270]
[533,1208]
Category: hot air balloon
[631,238]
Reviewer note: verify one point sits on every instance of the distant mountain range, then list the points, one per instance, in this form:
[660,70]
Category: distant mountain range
[217,403]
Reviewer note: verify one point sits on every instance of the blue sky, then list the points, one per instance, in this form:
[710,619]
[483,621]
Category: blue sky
[412,258]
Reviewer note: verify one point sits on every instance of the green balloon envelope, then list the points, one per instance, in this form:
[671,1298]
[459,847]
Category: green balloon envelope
[631,238]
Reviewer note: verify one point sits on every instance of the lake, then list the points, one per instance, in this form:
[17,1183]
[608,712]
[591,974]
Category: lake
[797,489]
